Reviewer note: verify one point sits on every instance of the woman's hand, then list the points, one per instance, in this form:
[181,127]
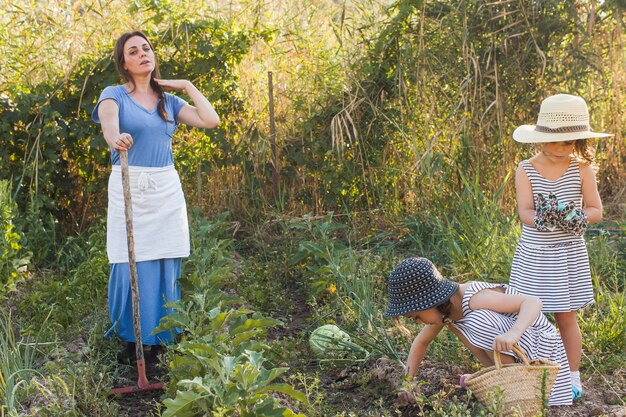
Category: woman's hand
[201,114]
[121,142]
[177,85]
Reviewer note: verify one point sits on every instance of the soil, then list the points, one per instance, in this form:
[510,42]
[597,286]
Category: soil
[138,404]
[141,403]
[370,391]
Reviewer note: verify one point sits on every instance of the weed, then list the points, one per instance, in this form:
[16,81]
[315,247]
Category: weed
[18,360]
[310,387]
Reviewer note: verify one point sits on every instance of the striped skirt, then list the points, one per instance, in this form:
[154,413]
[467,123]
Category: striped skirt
[559,274]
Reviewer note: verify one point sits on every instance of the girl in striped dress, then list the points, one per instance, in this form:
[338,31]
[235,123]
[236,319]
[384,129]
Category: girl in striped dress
[557,198]
[485,317]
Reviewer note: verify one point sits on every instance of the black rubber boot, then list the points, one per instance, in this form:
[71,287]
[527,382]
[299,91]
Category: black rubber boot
[152,355]
[153,358]
[127,355]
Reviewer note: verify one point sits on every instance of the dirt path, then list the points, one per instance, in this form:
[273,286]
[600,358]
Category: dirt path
[139,404]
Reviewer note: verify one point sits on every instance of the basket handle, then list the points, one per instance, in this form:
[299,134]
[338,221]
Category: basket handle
[517,350]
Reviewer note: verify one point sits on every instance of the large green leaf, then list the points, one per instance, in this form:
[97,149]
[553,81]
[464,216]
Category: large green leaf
[286,389]
[254,324]
[181,406]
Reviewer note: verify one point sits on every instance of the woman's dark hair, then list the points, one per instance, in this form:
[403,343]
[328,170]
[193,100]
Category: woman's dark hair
[118,56]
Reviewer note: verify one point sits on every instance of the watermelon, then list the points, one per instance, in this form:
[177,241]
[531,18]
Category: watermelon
[329,340]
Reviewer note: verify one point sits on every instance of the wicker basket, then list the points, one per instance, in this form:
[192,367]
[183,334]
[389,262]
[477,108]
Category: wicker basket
[520,384]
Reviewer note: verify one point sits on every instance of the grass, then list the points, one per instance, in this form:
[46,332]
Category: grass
[322,269]
[19,359]
[282,275]
[604,323]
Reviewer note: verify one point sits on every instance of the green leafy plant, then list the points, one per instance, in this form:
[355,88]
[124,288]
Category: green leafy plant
[310,386]
[217,366]
[50,396]
[68,387]
[67,294]
[479,237]
[604,323]
[14,258]
[318,250]
[217,356]
[236,386]
[345,278]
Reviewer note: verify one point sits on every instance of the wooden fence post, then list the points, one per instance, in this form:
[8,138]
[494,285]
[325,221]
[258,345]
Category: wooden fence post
[273,137]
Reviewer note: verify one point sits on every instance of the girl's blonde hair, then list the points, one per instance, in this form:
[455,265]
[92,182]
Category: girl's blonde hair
[401,327]
[444,308]
[583,152]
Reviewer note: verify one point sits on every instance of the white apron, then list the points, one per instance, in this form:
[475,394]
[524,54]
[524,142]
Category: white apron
[160,224]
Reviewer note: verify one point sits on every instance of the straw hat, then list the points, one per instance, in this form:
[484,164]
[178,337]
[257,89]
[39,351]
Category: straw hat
[416,285]
[562,117]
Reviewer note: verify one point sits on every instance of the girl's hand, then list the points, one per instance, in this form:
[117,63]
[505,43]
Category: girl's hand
[177,85]
[407,396]
[546,213]
[572,220]
[122,142]
[505,341]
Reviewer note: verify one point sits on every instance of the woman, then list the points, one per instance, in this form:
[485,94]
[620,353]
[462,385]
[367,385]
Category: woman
[138,117]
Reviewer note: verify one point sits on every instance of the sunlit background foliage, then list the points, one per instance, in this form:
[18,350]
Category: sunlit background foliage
[393,124]
[378,105]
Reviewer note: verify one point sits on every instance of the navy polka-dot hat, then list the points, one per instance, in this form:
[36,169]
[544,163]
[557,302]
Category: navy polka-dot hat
[416,285]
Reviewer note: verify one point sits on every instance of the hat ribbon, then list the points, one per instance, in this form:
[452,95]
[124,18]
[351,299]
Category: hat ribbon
[564,129]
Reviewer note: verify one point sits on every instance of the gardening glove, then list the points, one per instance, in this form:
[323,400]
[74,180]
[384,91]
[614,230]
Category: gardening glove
[546,213]
[572,220]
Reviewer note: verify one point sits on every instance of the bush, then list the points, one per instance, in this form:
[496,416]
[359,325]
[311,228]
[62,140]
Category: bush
[14,258]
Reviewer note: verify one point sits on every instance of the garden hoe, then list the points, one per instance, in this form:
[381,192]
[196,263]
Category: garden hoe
[142,381]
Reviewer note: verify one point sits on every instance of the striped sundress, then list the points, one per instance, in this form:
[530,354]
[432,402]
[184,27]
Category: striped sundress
[540,340]
[554,266]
